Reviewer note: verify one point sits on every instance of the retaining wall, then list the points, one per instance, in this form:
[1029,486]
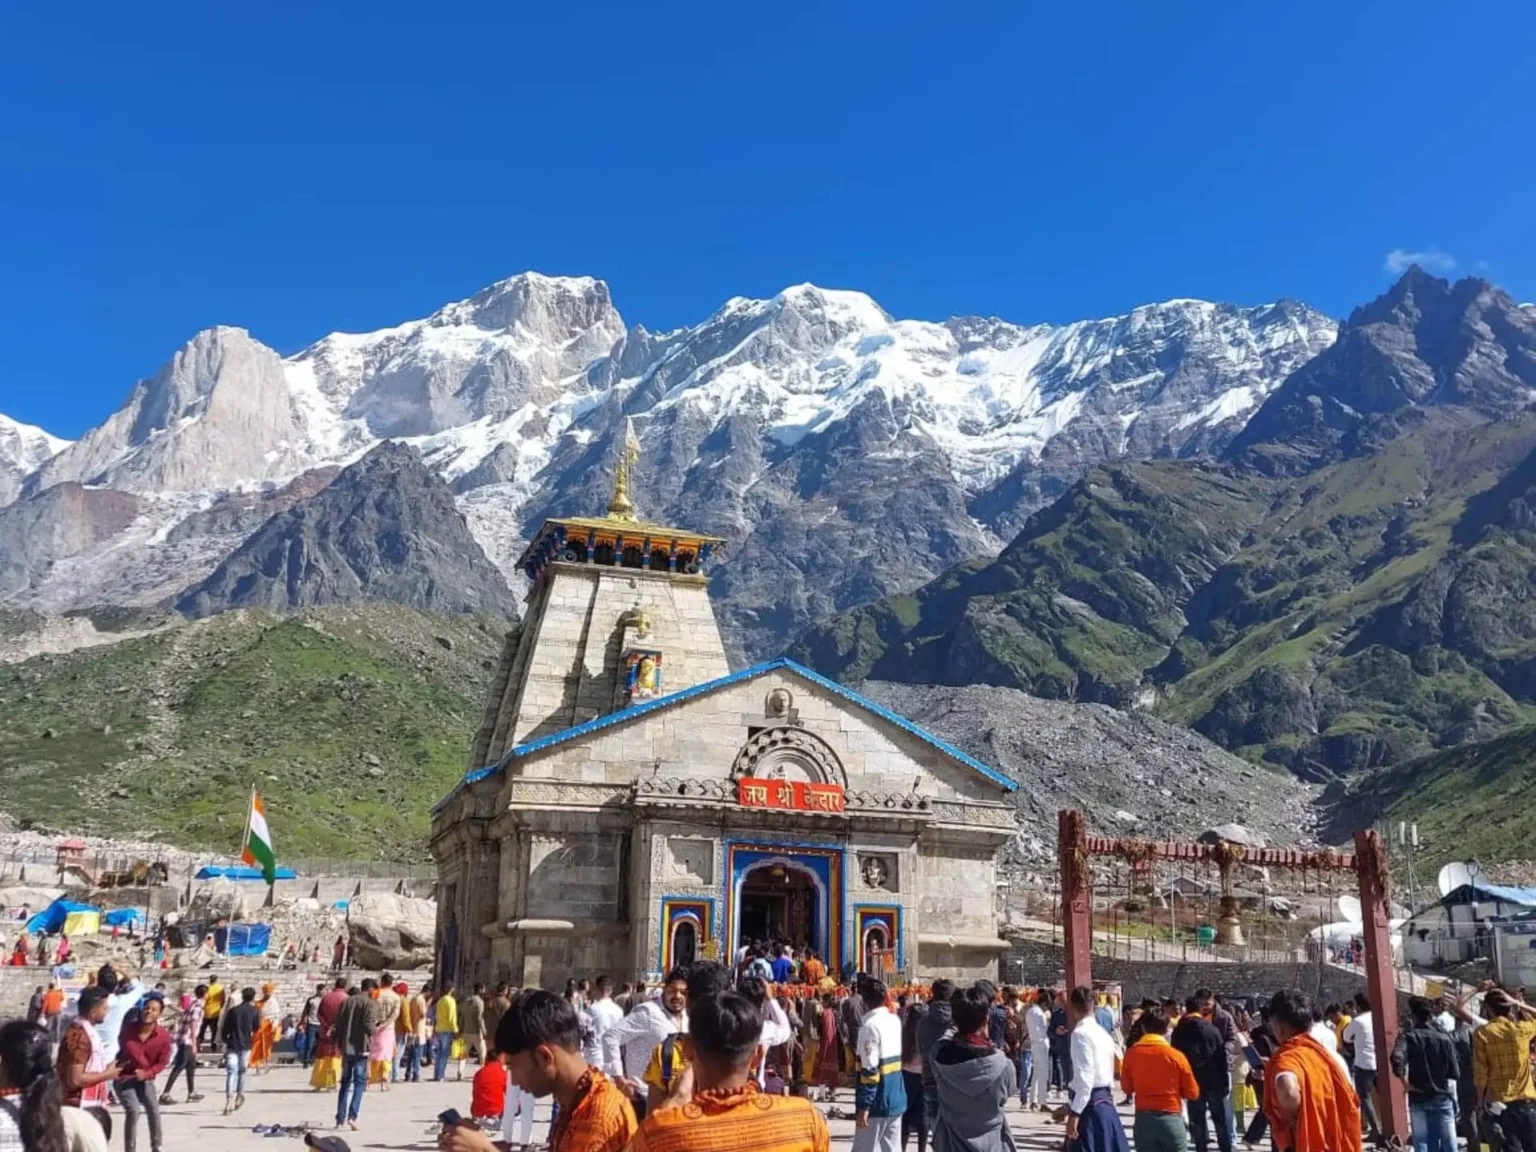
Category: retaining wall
[1031,962]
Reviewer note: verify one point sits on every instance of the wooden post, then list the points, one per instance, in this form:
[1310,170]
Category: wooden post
[1380,983]
[1072,847]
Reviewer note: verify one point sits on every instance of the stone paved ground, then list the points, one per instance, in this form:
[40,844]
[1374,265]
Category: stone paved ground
[403,1119]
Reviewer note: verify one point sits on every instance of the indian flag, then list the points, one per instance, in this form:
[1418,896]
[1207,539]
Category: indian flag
[257,851]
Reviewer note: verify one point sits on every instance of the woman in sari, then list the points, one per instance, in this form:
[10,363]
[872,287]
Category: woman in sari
[271,1024]
[327,1058]
[381,1049]
[828,1050]
[62,955]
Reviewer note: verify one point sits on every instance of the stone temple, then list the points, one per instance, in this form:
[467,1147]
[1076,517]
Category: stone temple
[632,804]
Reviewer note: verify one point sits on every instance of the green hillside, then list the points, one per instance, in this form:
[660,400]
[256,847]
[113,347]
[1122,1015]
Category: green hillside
[1369,612]
[1473,802]
[352,722]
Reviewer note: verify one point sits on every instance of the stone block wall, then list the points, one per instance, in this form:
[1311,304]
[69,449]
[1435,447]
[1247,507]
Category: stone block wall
[1035,962]
[574,638]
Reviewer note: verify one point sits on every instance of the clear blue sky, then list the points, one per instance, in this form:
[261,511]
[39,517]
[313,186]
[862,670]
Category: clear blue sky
[296,168]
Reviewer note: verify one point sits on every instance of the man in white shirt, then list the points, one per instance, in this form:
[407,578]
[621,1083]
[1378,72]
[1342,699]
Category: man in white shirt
[1360,1037]
[628,1044]
[599,1016]
[1323,1033]
[1091,1115]
[1037,1022]
[129,991]
[880,1097]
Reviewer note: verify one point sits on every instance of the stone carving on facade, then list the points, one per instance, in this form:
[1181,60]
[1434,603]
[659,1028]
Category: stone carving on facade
[878,871]
[780,705]
[542,793]
[683,788]
[986,816]
[692,860]
[789,753]
[889,801]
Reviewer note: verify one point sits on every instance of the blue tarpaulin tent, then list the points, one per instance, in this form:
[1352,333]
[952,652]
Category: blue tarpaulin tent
[244,939]
[123,917]
[241,872]
[56,917]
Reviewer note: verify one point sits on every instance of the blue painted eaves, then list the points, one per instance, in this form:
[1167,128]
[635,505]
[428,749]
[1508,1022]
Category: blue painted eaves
[783,663]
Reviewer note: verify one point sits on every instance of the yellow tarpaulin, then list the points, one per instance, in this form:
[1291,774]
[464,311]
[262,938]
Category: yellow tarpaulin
[82,923]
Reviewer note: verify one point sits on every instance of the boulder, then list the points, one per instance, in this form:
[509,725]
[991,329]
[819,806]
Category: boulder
[219,899]
[391,931]
[1233,834]
[29,895]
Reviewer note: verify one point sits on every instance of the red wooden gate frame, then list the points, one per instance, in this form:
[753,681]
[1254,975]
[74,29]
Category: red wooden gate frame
[1369,864]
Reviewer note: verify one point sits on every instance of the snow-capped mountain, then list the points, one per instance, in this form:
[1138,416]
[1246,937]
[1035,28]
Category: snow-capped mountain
[843,453]
[23,449]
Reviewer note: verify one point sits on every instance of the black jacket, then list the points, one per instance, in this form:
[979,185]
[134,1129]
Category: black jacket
[930,1030]
[1201,1043]
[1426,1058]
[238,1028]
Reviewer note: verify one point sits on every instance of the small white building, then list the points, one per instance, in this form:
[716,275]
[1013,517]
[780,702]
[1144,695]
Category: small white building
[1514,952]
[1460,925]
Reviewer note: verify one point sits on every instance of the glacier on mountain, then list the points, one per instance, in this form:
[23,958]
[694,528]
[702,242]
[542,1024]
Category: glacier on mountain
[770,421]
[23,449]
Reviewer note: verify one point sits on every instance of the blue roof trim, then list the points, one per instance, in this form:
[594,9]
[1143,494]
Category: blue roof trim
[1504,893]
[781,663]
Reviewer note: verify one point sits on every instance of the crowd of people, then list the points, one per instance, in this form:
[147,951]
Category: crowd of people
[721,1057]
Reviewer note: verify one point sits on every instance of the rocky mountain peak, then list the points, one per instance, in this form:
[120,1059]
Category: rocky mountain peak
[183,389]
[550,308]
[218,414]
[1425,343]
[385,528]
[23,449]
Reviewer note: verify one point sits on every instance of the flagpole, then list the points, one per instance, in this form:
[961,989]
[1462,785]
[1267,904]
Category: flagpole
[250,807]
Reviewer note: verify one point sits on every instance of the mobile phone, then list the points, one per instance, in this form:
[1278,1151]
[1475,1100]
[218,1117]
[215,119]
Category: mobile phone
[449,1117]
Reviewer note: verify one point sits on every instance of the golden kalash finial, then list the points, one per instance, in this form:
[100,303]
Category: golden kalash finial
[621,507]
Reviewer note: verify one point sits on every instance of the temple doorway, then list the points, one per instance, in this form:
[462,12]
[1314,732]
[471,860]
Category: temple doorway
[778,903]
[685,942]
[879,956]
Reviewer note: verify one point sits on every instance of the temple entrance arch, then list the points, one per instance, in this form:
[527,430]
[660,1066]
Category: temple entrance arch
[786,894]
[779,904]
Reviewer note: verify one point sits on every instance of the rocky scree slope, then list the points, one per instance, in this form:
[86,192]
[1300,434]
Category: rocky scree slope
[1134,774]
[352,721]
[785,425]
[1359,614]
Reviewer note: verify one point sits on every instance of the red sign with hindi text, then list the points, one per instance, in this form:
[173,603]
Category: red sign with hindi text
[755,792]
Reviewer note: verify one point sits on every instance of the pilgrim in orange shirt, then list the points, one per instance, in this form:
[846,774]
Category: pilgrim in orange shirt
[734,1122]
[1158,1075]
[1329,1118]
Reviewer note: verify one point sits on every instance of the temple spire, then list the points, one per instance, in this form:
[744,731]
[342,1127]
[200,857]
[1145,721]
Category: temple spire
[621,507]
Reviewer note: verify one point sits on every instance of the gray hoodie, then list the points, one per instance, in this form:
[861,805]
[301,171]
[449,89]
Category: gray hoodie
[974,1085]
